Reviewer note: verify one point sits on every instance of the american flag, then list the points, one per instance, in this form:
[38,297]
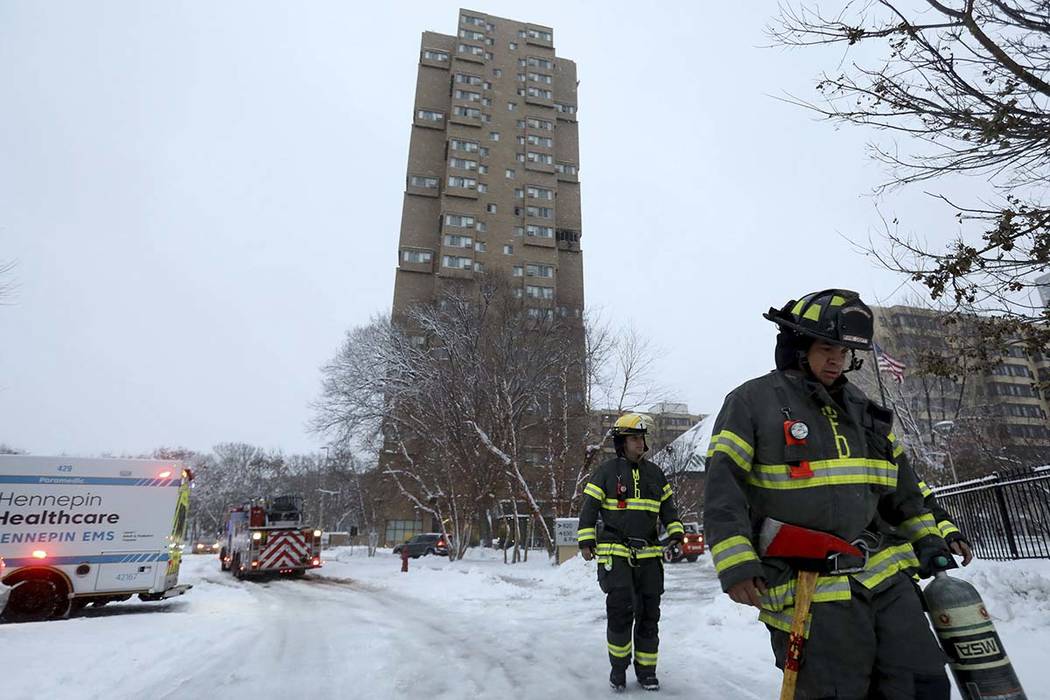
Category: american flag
[889,364]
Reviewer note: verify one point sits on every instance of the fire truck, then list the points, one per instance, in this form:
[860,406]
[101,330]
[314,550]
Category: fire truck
[268,537]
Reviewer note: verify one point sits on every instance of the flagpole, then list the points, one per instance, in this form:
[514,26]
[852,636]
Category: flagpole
[878,373]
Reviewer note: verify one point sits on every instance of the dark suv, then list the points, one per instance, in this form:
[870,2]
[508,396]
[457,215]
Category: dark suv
[427,543]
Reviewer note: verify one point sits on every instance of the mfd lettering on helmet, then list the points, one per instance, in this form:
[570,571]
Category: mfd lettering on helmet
[65,516]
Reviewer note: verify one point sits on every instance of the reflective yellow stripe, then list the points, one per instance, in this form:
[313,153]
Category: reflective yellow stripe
[836,300]
[644,658]
[886,563]
[926,490]
[675,528]
[947,527]
[732,551]
[633,504]
[728,450]
[594,492]
[612,549]
[782,620]
[585,533]
[829,588]
[729,443]
[826,472]
[898,448]
[813,312]
[667,493]
[619,652]
[918,527]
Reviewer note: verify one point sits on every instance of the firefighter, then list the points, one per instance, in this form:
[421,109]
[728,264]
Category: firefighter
[803,445]
[631,494]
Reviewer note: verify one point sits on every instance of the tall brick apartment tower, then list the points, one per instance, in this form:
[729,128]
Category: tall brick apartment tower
[492,182]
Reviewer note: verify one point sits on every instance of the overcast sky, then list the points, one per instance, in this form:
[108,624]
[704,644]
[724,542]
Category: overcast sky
[202,197]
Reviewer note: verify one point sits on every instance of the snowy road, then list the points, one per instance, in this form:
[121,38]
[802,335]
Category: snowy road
[475,628]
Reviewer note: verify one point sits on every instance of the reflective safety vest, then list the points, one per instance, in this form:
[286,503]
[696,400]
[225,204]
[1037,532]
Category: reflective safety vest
[631,499]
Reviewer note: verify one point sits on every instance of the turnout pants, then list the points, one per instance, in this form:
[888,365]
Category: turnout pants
[875,646]
[632,606]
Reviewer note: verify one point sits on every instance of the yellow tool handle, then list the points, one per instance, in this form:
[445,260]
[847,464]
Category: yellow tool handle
[807,584]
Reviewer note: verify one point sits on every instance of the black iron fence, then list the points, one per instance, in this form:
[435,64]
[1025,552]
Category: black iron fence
[1005,515]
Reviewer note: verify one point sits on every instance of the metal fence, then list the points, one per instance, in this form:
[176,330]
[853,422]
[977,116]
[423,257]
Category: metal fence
[1005,515]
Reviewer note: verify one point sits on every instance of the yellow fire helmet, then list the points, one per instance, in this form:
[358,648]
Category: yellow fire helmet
[632,424]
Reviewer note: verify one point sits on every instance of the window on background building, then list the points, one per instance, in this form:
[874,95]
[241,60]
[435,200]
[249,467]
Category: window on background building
[468,95]
[479,267]
[493,136]
[519,293]
[565,168]
[519,193]
[521,77]
[482,187]
[490,208]
[481,227]
[417,256]
[456,241]
[521,140]
[473,20]
[417,341]
[466,146]
[471,34]
[539,232]
[564,108]
[540,212]
[534,157]
[468,79]
[483,170]
[540,313]
[541,93]
[398,531]
[432,55]
[455,262]
[520,157]
[544,141]
[540,78]
[513,46]
[511,106]
[460,220]
[462,164]
[470,50]
[497,72]
[467,183]
[534,292]
[483,151]
[540,193]
[479,246]
[508,250]
[430,183]
[538,34]
[537,62]
[429,115]
[510,174]
[518,230]
[517,271]
[543,124]
[488,55]
[539,270]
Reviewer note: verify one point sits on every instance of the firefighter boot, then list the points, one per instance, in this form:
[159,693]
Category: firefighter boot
[647,679]
[618,680]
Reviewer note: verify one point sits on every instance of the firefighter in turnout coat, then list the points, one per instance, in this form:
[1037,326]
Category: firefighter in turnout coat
[631,494]
[803,446]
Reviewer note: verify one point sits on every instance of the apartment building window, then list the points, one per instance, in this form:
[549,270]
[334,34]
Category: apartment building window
[537,62]
[482,187]
[542,93]
[510,174]
[486,118]
[541,78]
[481,227]
[539,270]
[468,79]
[538,34]
[400,530]
[544,141]
[488,55]
[1019,410]
[486,102]
[429,115]
[540,193]
[459,220]
[1004,389]
[456,241]
[521,140]
[468,95]
[540,212]
[432,55]
[430,183]
[539,232]
[511,106]
[535,313]
[493,136]
[564,108]
[471,34]
[456,262]
[534,292]
[534,157]
[566,168]
[462,164]
[479,267]
[518,231]
[465,146]
[468,183]
[521,77]
[519,193]
[519,293]
[497,72]
[517,271]
[479,247]
[473,20]
[472,112]
[535,123]
[520,157]
[490,208]
[513,46]
[508,250]
[470,50]
[417,256]
[483,151]
[483,169]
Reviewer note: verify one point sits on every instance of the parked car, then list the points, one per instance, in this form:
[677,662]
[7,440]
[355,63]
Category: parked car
[205,546]
[691,546]
[426,543]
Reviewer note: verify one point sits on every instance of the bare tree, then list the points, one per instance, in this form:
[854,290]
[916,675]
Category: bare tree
[964,82]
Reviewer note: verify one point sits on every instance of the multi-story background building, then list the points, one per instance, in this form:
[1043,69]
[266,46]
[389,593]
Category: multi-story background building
[670,419]
[994,417]
[492,183]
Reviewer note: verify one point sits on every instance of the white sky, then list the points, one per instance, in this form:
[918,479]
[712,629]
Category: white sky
[202,197]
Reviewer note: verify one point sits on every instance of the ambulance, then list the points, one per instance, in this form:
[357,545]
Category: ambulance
[77,531]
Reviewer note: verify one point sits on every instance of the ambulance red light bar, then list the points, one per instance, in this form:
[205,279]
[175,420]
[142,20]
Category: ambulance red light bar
[39,554]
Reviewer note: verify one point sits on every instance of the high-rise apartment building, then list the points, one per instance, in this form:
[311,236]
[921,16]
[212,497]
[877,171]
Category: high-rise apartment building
[492,182]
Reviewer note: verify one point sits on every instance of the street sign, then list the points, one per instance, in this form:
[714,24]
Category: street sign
[565,531]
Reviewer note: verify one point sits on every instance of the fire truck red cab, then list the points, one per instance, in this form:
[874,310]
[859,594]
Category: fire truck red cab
[691,546]
[268,537]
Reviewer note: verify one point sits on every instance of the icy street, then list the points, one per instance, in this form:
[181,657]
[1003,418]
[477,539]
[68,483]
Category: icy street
[475,628]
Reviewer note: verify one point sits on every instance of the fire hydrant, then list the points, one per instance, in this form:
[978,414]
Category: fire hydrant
[404,558]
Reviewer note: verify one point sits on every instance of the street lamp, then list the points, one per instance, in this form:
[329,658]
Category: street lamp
[947,426]
[324,492]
